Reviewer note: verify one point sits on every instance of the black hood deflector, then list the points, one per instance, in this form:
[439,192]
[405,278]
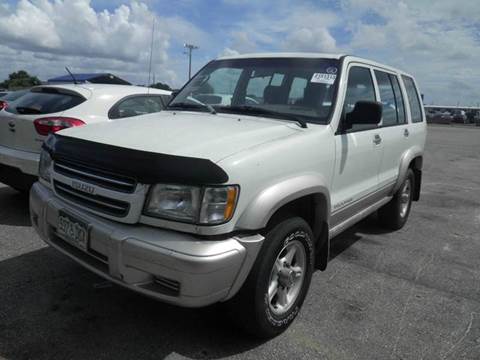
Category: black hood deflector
[146,167]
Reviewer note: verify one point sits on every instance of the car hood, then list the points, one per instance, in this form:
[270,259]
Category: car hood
[189,134]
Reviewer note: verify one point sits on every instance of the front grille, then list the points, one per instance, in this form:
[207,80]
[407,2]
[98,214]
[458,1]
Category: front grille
[95,202]
[95,176]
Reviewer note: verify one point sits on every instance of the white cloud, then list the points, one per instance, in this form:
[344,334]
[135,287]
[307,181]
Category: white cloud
[310,39]
[52,34]
[286,28]
[437,42]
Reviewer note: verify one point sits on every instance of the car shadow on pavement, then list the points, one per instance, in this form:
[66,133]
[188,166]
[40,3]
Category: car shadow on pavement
[13,208]
[358,232]
[51,308]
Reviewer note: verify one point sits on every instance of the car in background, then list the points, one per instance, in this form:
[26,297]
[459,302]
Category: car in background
[476,118]
[442,117]
[11,96]
[26,121]
[459,116]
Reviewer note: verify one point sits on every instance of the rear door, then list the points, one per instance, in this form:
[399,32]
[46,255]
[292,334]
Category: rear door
[17,130]
[417,126]
[393,128]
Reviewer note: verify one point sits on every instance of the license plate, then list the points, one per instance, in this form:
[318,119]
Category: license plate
[72,230]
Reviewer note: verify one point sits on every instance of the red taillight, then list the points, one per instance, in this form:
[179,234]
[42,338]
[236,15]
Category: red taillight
[45,126]
[3,104]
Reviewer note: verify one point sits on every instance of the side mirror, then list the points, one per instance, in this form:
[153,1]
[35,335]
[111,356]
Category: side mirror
[364,113]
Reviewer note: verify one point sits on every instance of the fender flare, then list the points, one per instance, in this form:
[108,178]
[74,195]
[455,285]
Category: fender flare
[269,200]
[407,157]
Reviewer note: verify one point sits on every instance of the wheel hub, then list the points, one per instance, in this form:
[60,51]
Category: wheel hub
[287,276]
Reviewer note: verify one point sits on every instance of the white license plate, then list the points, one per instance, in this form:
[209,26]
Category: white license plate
[72,230]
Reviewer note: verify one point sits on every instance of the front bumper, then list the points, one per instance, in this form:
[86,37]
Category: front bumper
[25,161]
[170,266]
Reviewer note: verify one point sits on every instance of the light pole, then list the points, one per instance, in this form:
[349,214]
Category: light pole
[190,48]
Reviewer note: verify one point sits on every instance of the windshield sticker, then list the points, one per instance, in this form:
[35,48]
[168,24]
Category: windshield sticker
[323,78]
[332,70]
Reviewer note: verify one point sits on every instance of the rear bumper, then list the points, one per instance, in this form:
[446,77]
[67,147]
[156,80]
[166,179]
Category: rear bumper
[170,266]
[26,162]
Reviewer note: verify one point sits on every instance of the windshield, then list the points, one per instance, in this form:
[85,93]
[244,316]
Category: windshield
[297,88]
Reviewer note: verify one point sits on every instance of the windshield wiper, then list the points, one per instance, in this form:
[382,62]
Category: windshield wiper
[247,109]
[183,105]
[27,110]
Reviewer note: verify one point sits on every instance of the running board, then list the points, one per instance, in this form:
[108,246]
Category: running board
[357,217]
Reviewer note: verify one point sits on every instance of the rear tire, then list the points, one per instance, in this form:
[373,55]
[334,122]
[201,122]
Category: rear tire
[277,285]
[394,214]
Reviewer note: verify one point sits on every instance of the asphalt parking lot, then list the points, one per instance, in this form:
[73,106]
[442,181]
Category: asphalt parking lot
[411,294]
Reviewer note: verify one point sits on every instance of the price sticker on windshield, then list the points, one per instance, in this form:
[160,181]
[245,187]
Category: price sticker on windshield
[323,78]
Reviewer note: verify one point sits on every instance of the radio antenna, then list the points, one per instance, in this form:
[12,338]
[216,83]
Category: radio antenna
[151,55]
[71,75]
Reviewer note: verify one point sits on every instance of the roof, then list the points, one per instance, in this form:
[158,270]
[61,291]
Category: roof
[103,78]
[284,55]
[310,55]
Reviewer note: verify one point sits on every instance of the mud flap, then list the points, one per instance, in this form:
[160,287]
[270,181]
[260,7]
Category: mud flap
[323,248]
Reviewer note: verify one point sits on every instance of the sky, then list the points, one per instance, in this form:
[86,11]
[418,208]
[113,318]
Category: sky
[436,41]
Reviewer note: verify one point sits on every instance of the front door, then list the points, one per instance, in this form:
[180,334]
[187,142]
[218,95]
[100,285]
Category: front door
[358,154]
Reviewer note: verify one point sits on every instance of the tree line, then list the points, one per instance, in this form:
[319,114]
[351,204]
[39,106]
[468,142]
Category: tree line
[22,79]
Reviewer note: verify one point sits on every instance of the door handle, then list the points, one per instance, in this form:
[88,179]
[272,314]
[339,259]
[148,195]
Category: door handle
[406,133]
[377,139]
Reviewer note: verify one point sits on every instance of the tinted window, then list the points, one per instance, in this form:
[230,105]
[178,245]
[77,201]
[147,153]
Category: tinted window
[45,101]
[14,95]
[136,105]
[413,99]
[359,87]
[297,90]
[398,99]
[387,97]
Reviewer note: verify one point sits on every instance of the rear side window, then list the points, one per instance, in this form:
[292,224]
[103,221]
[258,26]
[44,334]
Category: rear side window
[402,119]
[413,99]
[136,105]
[387,97]
[297,90]
[45,101]
[359,87]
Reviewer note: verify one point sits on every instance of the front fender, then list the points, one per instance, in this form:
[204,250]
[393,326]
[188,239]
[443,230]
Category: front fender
[269,200]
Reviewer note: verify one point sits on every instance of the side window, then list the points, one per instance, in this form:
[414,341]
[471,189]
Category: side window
[220,81]
[259,84]
[413,99]
[136,105]
[387,97]
[359,87]
[402,119]
[297,90]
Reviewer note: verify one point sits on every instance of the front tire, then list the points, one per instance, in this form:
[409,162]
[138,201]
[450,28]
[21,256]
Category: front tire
[394,214]
[277,285]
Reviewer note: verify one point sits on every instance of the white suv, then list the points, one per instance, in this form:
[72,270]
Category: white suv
[233,193]
[26,120]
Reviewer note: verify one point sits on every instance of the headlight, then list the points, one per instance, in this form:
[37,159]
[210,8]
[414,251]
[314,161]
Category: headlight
[192,204]
[45,166]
